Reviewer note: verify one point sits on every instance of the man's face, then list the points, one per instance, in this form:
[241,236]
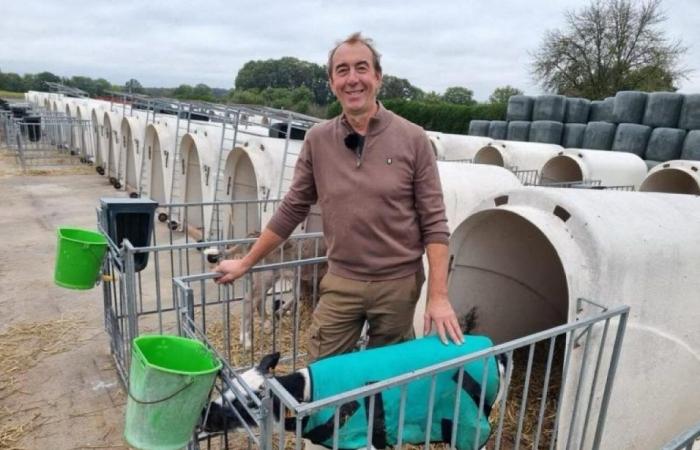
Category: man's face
[354,81]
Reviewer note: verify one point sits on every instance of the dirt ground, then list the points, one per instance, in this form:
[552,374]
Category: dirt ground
[58,385]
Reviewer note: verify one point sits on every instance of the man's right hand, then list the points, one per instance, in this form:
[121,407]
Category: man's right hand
[232,269]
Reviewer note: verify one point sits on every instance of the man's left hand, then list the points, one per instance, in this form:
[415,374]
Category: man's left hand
[440,311]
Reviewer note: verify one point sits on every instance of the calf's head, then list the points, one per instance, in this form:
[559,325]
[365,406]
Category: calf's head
[231,410]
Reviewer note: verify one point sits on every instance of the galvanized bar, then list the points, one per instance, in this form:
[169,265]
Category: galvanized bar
[594,382]
[431,404]
[545,391]
[523,402]
[577,397]
[617,348]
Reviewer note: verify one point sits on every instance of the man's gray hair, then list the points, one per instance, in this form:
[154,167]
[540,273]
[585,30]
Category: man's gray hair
[354,39]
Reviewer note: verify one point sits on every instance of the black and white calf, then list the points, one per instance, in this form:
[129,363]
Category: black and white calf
[228,412]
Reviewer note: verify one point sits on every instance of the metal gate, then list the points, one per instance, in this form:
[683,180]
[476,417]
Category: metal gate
[556,384]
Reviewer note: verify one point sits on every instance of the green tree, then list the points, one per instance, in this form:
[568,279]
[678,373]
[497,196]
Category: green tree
[287,73]
[43,77]
[12,82]
[458,95]
[202,92]
[101,86]
[432,97]
[183,92]
[608,46]
[501,95]
[86,84]
[398,88]
[134,87]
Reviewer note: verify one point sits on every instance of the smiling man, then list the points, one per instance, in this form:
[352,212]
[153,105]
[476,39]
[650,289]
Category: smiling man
[375,179]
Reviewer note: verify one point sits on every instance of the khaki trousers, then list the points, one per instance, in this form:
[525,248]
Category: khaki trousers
[345,304]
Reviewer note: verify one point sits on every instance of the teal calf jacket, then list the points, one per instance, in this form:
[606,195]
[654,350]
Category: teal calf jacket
[342,373]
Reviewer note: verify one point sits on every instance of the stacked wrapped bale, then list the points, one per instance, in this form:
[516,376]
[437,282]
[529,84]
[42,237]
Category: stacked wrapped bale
[546,131]
[577,110]
[479,128]
[631,138]
[599,135]
[573,135]
[602,110]
[663,110]
[691,146]
[665,144]
[549,107]
[519,108]
[498,129]
[629,107]
[690,113]
[518,130]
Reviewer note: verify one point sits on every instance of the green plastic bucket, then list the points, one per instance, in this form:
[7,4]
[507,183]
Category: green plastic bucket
[79,256]
[169,384]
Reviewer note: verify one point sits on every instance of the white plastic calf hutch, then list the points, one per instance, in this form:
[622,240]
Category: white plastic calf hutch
[252,172]
[676,177]
[523,259]
[517,155]
[609,168]
[456,147]
[464,187]
[159,149]
[132,130]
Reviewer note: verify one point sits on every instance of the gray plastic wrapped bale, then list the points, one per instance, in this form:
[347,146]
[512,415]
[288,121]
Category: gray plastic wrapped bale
[690,113]
[479,128]
[631,138]
[665,144]
[691,146]
[602,110]
[599,135]
[663,109]
[549,107]
[518,130]
[520,108]
[498,129]
[546,132]
[577,110]
[629,106]
[573,135]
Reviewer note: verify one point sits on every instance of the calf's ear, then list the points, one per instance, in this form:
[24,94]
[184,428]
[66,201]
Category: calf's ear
[268,362]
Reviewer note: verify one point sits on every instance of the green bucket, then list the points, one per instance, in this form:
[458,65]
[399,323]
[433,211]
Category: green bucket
[169,384]
[79,256]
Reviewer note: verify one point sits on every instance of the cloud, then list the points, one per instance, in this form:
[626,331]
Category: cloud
[435,45]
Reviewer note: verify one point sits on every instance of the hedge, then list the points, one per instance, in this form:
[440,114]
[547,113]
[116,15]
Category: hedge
[443,117]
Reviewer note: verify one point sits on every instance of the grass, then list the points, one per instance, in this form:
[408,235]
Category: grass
[12,95]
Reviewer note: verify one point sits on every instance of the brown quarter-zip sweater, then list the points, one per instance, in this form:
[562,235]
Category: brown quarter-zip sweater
[380,209]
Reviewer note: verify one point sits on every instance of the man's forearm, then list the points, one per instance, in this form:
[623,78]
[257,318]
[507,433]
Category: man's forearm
[267,242]
[437,270]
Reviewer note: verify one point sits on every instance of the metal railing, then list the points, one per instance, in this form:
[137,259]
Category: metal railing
[687,440]
[48,139]
[555,388]
[138,301]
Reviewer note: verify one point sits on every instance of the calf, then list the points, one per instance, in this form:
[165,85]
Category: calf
[314,383]
[290,250]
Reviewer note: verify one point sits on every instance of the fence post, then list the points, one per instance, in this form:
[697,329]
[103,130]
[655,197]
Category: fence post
[266,420]
[614,360]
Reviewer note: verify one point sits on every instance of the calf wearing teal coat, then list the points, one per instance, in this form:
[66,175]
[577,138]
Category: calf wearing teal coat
[338,374]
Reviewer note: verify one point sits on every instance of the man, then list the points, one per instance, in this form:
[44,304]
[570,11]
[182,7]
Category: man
[375,179]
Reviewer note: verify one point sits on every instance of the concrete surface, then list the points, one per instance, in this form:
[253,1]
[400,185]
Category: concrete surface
[71,399]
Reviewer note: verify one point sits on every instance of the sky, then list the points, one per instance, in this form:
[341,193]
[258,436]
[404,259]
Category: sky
[434,44]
